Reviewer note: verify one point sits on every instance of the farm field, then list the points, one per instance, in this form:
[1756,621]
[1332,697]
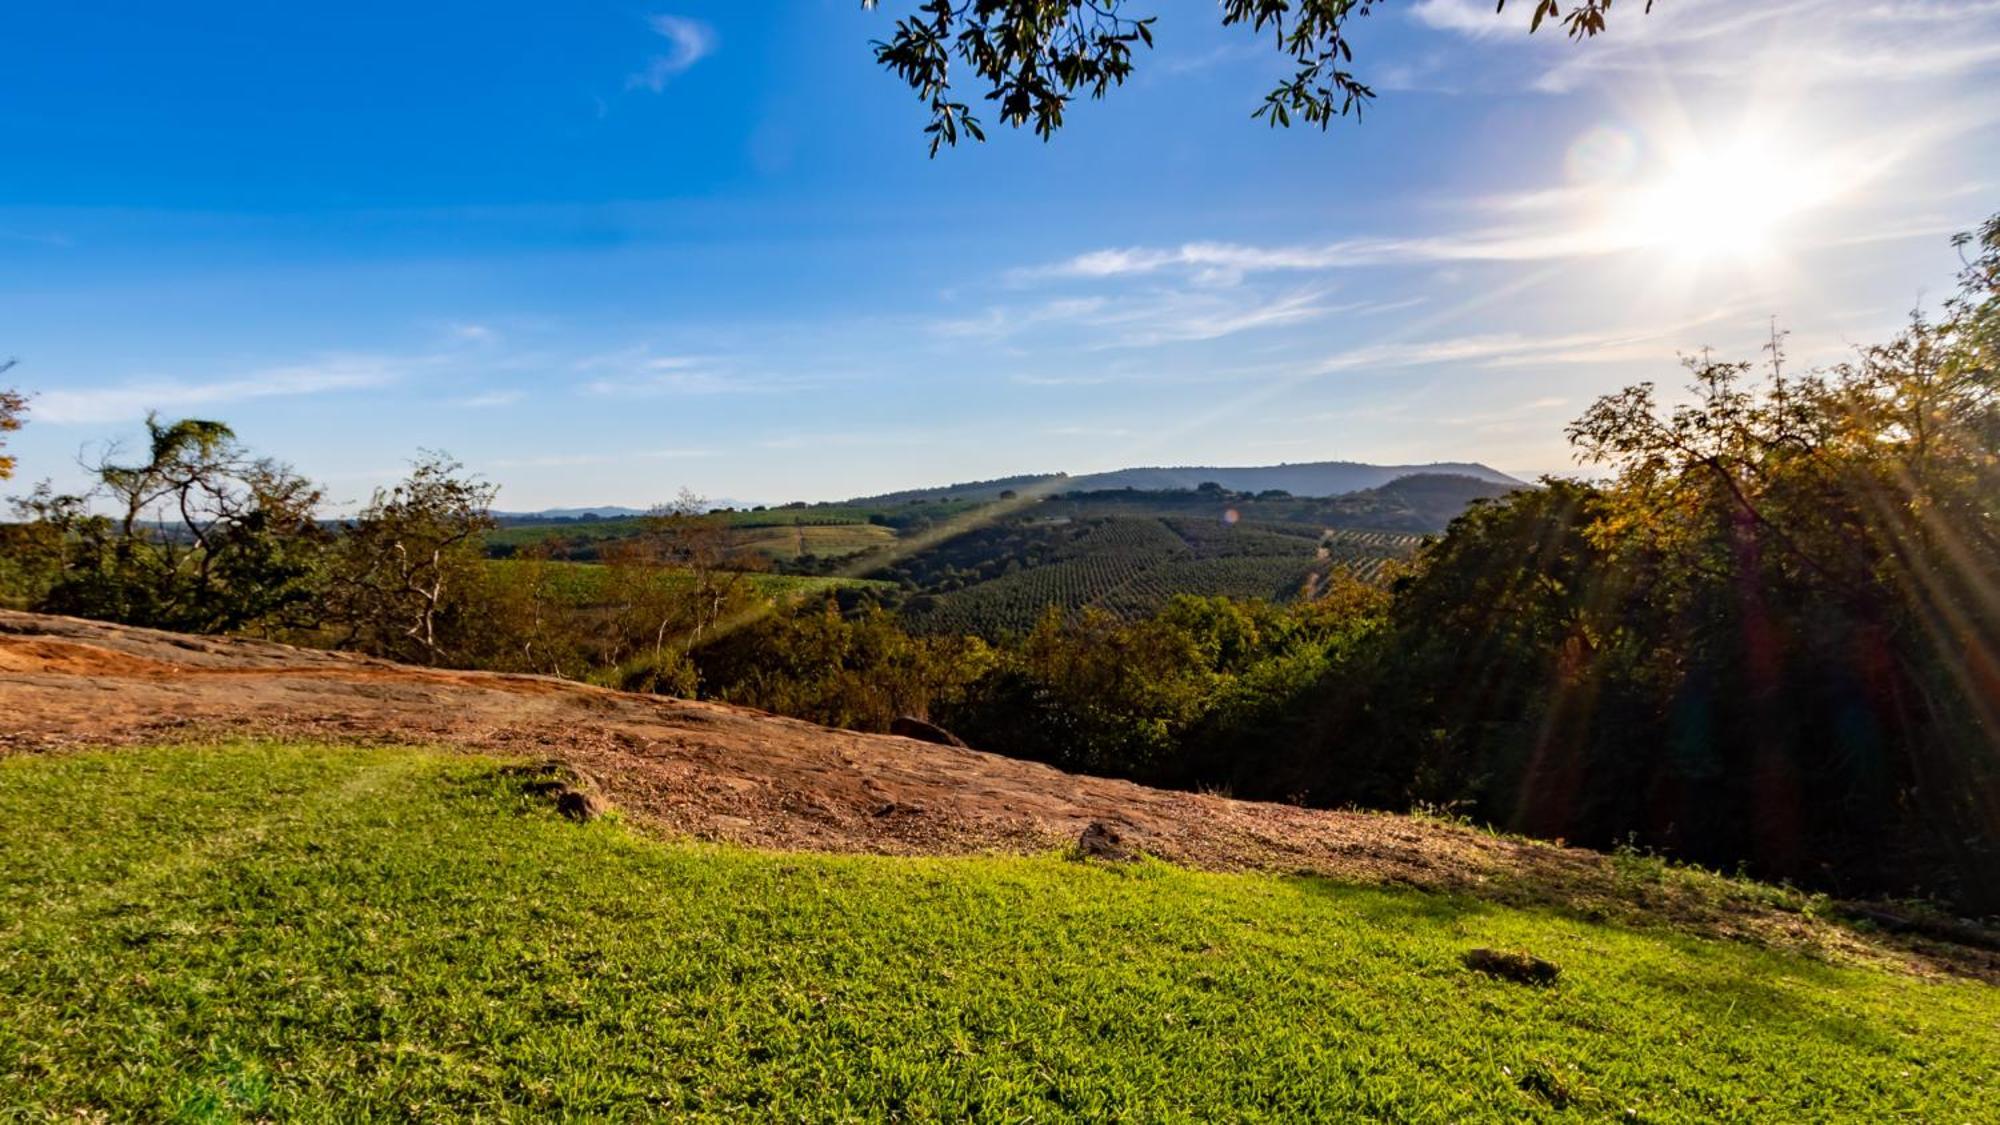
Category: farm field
[583,583]
[829,528]
[999,580]
[826,541]
[340,934]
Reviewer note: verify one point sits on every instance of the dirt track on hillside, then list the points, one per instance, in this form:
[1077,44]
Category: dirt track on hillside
[722,773]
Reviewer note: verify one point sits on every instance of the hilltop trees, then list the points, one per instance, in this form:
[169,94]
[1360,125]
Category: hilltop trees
[685,535]
[1033,57]
[13,405]
[407,565]
[859,670]
[1772,637]
[201,536]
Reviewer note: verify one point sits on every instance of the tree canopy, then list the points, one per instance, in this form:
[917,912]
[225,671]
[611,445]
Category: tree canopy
[1033,57]
[12,406]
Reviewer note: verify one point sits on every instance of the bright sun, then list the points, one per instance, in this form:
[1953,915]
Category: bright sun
[1732,203]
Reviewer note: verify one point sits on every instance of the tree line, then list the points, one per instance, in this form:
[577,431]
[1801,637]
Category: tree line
[1769,638]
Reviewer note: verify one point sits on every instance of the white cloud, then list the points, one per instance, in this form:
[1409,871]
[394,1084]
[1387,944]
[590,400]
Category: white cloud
[1476,18]
[568,460]
[131,399]
[688,42]
[1160,316]
[1226,262]
[634,373]
[661,384]
[473,333]
[638,374]
[492,399]
[1513,349]
[1810,43]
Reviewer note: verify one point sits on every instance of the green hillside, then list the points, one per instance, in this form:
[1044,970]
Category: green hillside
[1003,577]
[340,934]
[828,529]
[583,584]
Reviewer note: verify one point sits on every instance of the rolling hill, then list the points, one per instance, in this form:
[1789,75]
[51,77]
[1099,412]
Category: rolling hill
[1318,478]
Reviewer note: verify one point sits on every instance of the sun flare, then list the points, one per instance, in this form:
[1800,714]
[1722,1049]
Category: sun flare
[1733,203]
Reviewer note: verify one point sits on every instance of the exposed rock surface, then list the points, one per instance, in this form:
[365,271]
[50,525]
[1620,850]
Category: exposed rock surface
[717,772]
[923,730]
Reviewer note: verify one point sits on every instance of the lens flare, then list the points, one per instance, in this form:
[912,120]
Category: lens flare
[1605,154]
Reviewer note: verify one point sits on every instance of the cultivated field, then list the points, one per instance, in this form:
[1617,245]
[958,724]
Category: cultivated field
[1131,566]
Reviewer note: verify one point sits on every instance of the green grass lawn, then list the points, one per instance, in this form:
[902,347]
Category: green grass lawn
[286,931]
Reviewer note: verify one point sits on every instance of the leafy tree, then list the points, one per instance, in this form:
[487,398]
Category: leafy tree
[409,564]
[202,536]
[858,670]
[700,544]
[13,405]
[527,623]
[1033,57]
[1134,698]
[1770,638]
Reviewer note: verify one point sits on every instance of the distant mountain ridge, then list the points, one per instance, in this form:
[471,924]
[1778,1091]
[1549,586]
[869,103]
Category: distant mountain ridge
[964,490]
[1308,478]
[1313,478]
[602,512]
[605,511]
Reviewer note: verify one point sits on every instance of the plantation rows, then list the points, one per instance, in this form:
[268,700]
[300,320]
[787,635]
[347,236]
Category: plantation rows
[593,584]
[1214,539]
[1132,566]
[1277,579]
[1395,542]
[1015,601]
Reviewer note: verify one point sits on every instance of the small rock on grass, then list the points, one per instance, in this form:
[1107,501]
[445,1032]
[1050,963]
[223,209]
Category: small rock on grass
[1518,967]
[578,805]
[1101,841]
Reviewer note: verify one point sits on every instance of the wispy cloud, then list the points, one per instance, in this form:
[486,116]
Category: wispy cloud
[568,460]
[1476,18]
[492,399]
[1814,42]
[39,238]
[1227,262]
[635,374]
[688,42]
[1513,349]
[122,402]
[1159,316]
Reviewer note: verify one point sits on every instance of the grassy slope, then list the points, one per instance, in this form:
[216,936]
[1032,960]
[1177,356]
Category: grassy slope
[258,930]
[583,583]
[836,540]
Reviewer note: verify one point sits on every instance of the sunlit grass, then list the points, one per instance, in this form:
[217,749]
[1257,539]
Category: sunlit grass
[283,931]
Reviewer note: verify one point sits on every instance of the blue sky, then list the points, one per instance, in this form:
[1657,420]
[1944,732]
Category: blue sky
[599,251]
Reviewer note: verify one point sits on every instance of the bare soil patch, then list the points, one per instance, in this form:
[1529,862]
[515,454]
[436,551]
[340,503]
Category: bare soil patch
[729,774]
